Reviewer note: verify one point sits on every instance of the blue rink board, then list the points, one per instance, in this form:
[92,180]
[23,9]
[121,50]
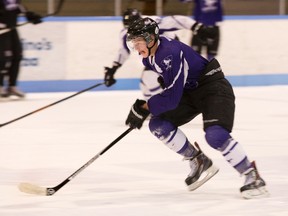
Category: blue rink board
[119,18]
[133,84]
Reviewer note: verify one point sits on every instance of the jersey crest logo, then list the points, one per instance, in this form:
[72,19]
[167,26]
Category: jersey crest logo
[167,62]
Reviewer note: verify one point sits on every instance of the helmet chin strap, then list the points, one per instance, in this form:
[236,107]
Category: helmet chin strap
[149,48]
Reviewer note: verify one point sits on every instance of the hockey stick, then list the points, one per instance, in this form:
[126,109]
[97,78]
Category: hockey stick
[49,105]
[59,7]
[49,191]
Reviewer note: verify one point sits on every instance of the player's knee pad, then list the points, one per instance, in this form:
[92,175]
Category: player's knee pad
[216,136]
[161,128]
[170,135]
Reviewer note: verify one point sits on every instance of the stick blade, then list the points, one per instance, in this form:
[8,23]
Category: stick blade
[32,189]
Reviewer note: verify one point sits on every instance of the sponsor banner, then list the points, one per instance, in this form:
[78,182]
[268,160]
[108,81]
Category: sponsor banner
[44,51]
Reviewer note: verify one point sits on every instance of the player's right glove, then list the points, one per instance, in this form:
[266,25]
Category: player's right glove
[33,17]
[109,75]
[137,115]
[204,32]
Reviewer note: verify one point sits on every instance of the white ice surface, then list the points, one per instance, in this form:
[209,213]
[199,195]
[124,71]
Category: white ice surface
[139,176]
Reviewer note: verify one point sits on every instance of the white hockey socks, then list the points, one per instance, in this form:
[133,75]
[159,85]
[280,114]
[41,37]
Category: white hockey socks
[236,156]
[178,142]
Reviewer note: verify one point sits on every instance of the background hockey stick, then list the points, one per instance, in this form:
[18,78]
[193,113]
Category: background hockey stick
[49,105]
[58,9]
[49,191]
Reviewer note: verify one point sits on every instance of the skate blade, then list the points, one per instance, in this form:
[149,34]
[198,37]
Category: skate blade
[255,193]
[11,98]
[209,173]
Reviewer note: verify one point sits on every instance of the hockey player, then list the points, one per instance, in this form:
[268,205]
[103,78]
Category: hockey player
[210,13]
[167,25]
[192,85]
[10,45]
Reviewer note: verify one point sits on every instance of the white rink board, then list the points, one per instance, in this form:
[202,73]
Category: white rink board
[45,47]
[82,49]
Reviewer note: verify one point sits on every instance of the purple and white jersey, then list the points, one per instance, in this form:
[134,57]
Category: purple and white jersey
[10,5]
[166,25]
[180,67]
[123,52]
[208,12]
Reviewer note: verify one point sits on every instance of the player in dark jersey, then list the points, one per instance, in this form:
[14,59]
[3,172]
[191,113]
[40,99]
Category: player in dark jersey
[192,85]
[168,25]
[210,13]
[10,45]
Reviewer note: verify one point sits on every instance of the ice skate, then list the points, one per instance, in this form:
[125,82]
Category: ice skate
[254,185]
[202,169]
[13,91]
[3,93]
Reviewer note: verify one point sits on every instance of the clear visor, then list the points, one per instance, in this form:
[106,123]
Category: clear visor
[137,43]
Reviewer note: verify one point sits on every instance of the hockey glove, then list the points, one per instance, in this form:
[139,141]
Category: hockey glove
[204,32]
[137,115]
[109,75]
[33,17]
[160,80]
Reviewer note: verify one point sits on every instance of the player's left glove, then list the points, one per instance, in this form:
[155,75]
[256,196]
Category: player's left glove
[109,74]
[137,115]
[204,32]
[33,17]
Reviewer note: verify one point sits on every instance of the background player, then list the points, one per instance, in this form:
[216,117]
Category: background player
[210,13]
[10,45]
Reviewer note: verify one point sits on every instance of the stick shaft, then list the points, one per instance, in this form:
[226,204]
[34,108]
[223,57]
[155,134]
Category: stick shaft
[49,105]
[51,191]
[59,7]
